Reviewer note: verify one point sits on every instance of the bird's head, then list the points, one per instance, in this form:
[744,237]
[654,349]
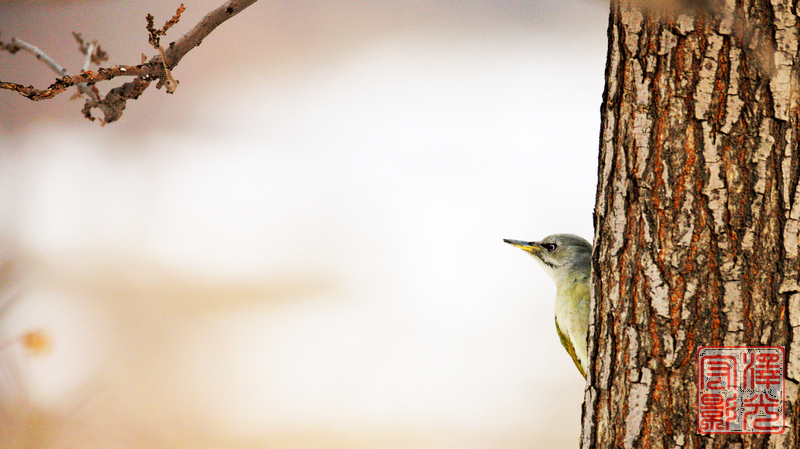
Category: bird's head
[559,254]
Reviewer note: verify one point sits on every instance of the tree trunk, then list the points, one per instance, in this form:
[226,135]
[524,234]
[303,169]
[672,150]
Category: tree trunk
[697,222]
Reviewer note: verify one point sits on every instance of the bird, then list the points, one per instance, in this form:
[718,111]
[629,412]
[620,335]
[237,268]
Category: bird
[567,258]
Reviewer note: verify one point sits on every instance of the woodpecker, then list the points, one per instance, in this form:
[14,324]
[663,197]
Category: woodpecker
[567,258]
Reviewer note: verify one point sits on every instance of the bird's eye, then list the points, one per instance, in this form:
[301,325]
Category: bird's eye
[550,247]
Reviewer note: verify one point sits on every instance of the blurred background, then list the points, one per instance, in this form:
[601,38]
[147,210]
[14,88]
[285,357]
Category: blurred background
[302,247]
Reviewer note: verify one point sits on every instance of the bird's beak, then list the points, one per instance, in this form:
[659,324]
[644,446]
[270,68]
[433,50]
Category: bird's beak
[525,246]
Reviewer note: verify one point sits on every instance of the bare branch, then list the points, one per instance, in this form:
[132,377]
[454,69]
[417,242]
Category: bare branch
[89,50]
[88,60]
[155,35]
[114,102]
[40,55]
[50,62]
[171,82]
[157,68]
[97,55]
[178,49]
[65,82]
[155,41]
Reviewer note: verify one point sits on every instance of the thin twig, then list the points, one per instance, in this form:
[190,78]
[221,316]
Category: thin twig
[98,55]
[154,34]
[56,67]
[40,55]
[83,87]
[155,40]
[171,82]
[88,59]
[65,82]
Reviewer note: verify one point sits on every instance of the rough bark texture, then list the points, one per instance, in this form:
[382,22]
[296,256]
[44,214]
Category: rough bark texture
[697,222]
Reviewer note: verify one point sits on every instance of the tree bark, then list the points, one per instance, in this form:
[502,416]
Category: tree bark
[697,221]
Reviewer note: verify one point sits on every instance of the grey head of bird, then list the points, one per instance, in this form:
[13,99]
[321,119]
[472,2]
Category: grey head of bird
[563,256]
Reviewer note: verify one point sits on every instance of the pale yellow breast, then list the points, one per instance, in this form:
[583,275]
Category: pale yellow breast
[572,318]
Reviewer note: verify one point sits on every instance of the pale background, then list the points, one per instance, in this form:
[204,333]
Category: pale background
[302,247]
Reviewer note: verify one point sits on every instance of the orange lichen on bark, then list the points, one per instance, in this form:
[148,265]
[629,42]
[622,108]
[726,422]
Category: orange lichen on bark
[676,300]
